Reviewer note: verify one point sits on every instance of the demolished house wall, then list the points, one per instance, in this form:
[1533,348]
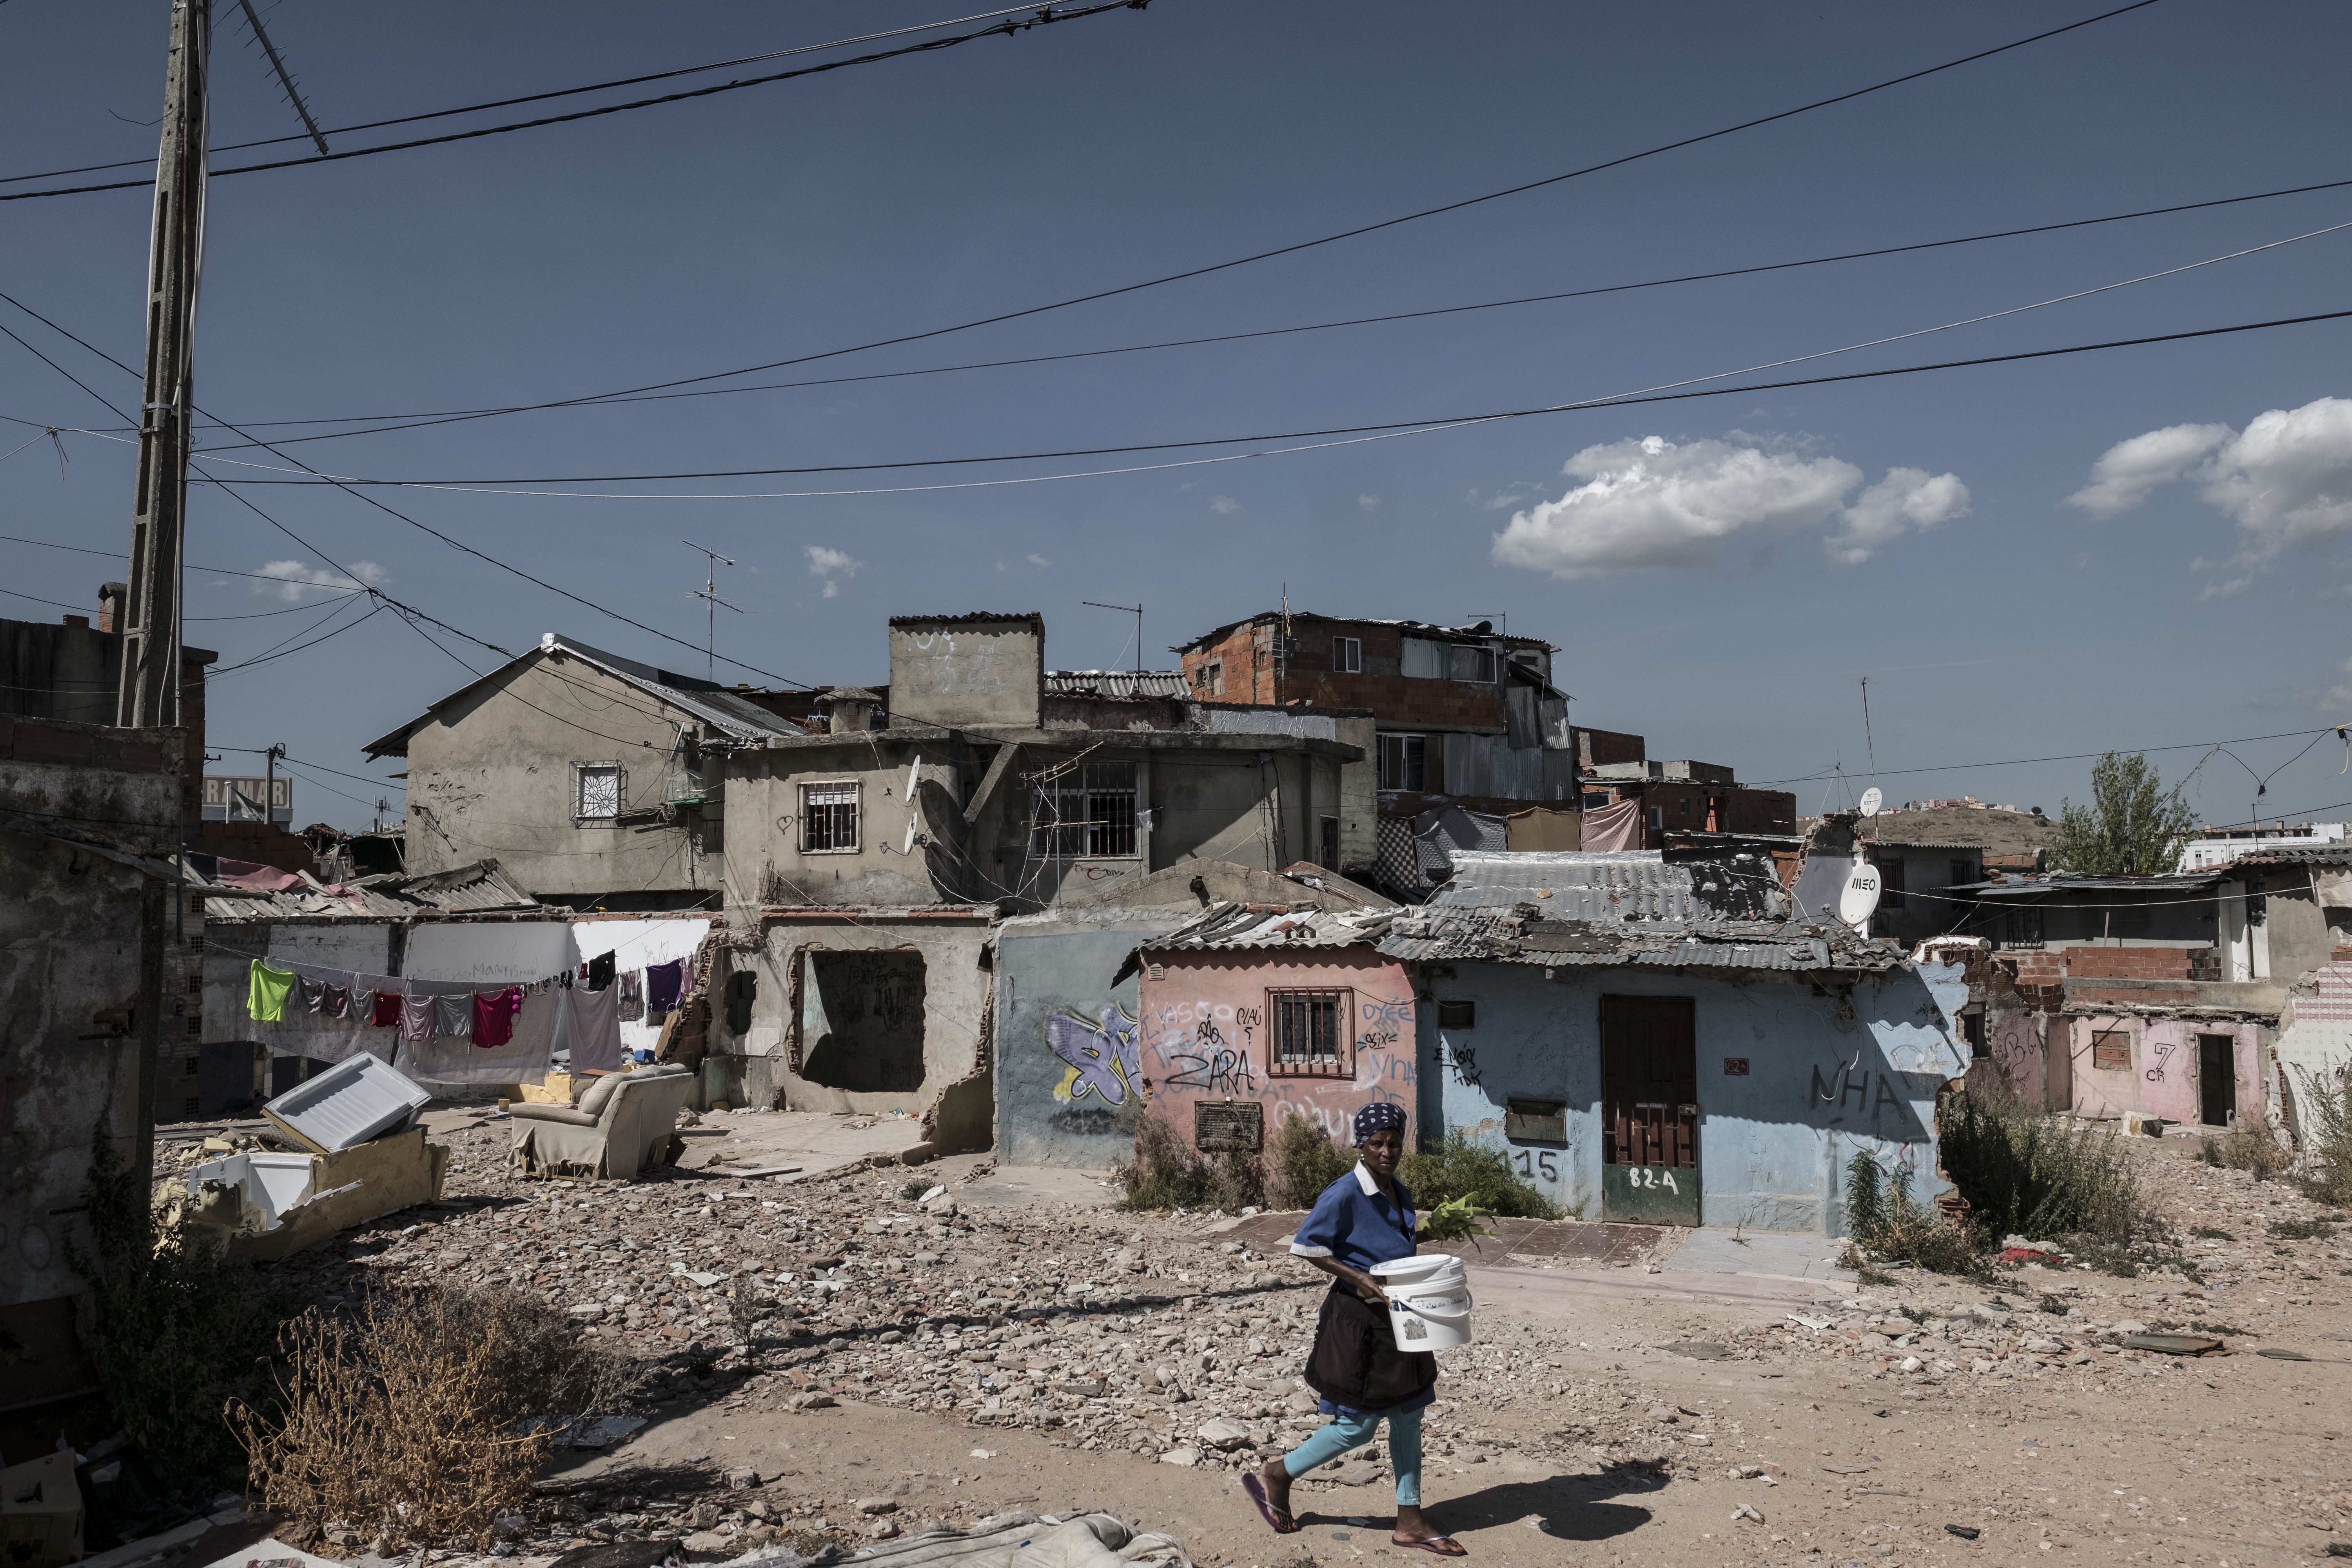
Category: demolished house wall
[1793,1079]
[2117,1063]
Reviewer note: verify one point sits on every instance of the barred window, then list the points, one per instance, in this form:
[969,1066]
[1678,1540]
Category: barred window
[596,791]
[1308,1034]
[829,818]
[1086,810]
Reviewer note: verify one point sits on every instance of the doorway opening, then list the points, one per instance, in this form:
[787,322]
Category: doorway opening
[1649,1109]
[862,1017]
[2217,1079]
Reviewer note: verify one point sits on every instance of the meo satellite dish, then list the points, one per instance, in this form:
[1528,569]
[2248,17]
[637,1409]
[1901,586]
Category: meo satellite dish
[1859,898]
[1872,800]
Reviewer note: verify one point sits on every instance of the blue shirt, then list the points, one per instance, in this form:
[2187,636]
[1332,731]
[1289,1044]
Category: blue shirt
[1357,1224]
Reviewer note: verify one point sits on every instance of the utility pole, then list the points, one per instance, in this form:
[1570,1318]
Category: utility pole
[270,787]
[149,694]
[1136,611]
[709,593]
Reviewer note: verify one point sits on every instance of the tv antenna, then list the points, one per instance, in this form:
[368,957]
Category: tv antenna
[1136,611]
[709,592]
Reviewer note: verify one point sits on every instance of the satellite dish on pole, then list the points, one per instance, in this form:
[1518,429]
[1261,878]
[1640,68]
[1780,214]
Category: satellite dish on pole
[1858,899]
[1872,800]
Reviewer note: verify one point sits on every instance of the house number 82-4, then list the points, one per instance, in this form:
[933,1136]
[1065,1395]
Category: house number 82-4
[1650,1176]
[1547,1162]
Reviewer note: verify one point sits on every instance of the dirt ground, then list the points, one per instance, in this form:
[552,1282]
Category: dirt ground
[960,1361]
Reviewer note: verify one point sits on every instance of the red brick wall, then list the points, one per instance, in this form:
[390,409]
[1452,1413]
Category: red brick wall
[1602,747]
[1394,700]
[2127,963]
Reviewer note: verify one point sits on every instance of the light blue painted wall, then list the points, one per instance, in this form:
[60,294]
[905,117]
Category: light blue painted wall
[1828,1073]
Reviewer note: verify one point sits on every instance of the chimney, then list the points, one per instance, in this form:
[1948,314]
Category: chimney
[110,596]
[849,709]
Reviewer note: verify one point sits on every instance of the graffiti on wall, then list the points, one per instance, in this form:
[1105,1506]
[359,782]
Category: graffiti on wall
[1219,1051]
[1101,1056]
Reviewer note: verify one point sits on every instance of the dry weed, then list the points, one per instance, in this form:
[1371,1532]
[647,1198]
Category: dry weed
[409,1425]
[2246,1146]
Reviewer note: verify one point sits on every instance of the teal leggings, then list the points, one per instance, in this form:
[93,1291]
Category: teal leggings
[1353,1432]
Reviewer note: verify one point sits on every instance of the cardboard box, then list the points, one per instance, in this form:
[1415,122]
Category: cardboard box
[40,1513]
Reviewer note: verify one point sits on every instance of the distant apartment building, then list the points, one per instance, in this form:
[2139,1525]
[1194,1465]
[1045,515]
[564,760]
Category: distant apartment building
[2218,845]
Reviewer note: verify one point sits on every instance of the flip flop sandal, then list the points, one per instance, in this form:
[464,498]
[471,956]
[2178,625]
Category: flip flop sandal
[1436,1545]
[1283,1523]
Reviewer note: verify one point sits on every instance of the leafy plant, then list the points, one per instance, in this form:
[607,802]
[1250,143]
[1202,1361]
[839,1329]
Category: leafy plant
[1456,1219]
[2327,1137]
[2025,1173]
[2130,828]
[1164,1174]
[2246,1146]
[1460,1167]
[1890,1227]
[1305,1162]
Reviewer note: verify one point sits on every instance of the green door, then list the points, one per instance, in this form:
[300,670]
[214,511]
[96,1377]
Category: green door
[1649,1109]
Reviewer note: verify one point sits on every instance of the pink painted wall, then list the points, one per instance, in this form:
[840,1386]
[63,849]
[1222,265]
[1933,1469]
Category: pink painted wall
[2162,1079]
[1204,1036]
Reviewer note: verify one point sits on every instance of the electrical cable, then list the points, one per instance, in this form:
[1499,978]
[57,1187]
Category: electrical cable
[458,415]
[1044,16]
[1388,430]
[219,570]
[446,539]
[1352,233]
[543,96]
[2071,757]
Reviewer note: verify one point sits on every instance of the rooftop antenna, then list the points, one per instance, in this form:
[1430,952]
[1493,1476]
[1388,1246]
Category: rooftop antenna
[1136,611]
[285,77]
[709,592]
[1502,619]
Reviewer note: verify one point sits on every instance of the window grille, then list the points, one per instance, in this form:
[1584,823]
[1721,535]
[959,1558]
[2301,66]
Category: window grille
[596,791]
[1086,812]
[1309,1034]
[828,818]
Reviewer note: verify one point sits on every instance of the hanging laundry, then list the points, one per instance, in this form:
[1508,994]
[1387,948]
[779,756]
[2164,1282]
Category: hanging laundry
[494,1016]
[633,994]
[265,994]
[592,1025]
[664,982]
[335,1001]
[453,1016]
[417,1020]
[600,971]
[311,993]
[385,1013]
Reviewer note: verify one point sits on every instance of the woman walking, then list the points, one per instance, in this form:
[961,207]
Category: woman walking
[1363,1218]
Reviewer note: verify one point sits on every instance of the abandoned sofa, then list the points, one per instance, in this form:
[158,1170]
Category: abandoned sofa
[621,1125]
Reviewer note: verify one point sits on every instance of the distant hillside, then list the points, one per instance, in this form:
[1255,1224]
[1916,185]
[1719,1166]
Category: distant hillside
[1996,832]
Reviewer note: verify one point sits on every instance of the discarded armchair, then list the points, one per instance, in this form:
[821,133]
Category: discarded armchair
[622,1124]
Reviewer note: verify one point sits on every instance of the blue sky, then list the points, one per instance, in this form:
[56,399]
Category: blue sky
[1720,573]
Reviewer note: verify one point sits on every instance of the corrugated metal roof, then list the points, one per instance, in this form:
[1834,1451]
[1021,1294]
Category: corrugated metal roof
[2299,855]
[1229,925]
[481,888]
[1116,683]
[1507,935]
[1615,886]
[2083,881]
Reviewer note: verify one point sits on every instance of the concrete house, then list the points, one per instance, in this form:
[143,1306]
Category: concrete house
[588,777]
[866,865]
[1662,1042]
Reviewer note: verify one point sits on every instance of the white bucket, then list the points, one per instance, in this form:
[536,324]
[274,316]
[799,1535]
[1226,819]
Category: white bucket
[1429,1301]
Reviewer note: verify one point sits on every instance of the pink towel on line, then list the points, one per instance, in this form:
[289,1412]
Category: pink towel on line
[417,1020]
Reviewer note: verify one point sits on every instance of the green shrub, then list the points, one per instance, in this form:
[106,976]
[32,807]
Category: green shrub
[1305,1162]
[2246,1146]
[174,1331]
[1891,1228]
[1459,1168]
[1164,1174]
[2022,1172]
[2328,1138]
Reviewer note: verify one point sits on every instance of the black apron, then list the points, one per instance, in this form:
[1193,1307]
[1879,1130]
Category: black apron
[1356,1361]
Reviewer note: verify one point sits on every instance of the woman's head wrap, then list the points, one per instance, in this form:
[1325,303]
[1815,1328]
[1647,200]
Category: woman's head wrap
[1377,1117]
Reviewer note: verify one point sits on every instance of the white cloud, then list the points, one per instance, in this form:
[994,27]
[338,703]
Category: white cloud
[1000,566]
[2339,696]
[1652,505]
[835,566]
[2287,481]
[1037,559]
[2128,472]
[1369,502]
[293,580]
[1906,497]
[1225,506]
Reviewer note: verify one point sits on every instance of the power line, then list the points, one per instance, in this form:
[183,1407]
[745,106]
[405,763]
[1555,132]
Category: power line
[1044,14]
[406,610]
[2072,756]
[1351,232]
[1403,425]
[455,415]
[357,588]
[543,96]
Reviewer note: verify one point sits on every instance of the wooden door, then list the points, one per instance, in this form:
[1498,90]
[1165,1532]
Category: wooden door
[1649,1109]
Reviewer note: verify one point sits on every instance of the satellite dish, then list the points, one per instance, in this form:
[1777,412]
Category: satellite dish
[1859,898]
[1872,800]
